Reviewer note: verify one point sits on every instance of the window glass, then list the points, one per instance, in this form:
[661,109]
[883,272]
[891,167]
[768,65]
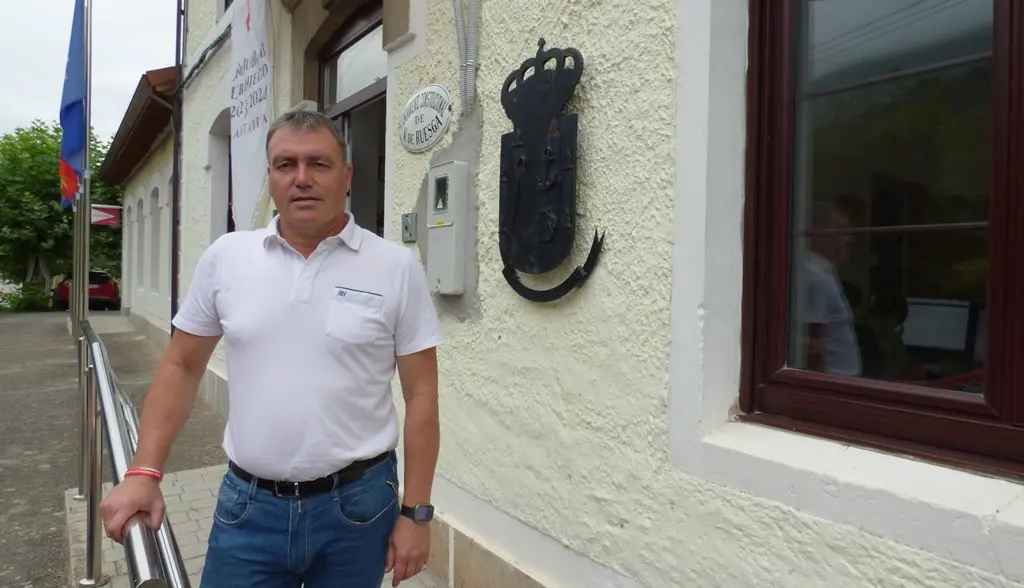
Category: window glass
[441,194]
[891,184]
[359,65]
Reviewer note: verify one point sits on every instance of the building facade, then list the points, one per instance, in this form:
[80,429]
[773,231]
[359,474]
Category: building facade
[777,373]
[140,160]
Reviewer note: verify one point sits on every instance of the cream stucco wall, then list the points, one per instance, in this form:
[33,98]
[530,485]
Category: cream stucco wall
[201,18]
[137,289]
[556,420]
[586,440]
[556,414]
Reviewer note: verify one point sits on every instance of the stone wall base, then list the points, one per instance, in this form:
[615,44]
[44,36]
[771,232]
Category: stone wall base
[159,335]
[463,562]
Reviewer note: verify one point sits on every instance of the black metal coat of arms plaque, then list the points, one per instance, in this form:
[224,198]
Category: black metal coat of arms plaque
[537,204]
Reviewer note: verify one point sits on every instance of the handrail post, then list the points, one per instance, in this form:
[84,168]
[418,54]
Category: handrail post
[83,417]
[94,450]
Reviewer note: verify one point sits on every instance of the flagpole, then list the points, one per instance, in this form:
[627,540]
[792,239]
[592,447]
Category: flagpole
[85,201]
[76,239]
[93,555]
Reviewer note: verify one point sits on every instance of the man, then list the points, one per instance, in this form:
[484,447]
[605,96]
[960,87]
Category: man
[316,314]
[826,313]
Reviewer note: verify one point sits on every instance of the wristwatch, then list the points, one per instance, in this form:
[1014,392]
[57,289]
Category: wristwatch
[421,514]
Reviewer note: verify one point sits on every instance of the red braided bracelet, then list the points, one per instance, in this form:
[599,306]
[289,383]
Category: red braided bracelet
[142,471]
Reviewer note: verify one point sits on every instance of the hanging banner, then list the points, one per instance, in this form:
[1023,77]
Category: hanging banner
[106,215]
[252,102]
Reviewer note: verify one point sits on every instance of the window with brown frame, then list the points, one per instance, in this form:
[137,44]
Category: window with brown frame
[884,229]
[353,63]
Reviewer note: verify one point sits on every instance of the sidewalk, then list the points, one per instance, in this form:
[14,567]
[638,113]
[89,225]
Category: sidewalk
[38,436]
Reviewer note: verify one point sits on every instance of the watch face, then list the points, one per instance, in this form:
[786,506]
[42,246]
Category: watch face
[423,513]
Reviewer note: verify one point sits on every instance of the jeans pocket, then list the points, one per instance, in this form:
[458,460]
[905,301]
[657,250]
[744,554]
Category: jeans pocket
[368,502]
[233,504]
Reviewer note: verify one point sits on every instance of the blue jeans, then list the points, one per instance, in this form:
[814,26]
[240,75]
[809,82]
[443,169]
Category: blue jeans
[337,539]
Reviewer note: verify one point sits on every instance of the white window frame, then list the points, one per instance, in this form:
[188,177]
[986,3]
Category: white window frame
[955,515]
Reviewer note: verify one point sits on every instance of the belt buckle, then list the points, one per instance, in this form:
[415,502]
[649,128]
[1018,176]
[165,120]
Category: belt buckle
[278,492]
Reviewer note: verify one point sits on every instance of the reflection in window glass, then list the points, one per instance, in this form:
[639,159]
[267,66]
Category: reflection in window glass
[890,190]
[359,65]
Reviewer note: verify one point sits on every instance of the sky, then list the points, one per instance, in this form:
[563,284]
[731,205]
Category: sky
[129,38]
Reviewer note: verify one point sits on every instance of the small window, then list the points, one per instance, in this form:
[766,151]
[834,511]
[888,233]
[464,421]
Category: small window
[222,8]
[356,67]
[155,244]
[353,61]
[441,194]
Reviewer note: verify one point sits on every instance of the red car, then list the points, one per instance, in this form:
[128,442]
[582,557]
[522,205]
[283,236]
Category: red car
[103,292]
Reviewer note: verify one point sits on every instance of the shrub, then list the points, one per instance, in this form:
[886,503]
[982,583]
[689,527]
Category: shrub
[25,298]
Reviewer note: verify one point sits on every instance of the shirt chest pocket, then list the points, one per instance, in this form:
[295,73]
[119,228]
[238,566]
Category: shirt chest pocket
[356,317]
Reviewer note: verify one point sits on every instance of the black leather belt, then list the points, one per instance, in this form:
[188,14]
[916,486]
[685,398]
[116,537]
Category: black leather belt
[346,475]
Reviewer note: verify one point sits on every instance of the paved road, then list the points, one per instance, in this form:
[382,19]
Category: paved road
[39,439]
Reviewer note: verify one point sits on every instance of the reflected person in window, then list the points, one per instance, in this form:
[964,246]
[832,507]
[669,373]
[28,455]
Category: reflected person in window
[827,317]
[316,314]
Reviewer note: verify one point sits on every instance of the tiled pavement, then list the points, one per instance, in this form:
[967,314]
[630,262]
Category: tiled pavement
[190,497]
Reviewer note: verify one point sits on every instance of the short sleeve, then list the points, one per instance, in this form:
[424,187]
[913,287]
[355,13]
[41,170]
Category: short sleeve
[198,313]
[417,327]
[815,309]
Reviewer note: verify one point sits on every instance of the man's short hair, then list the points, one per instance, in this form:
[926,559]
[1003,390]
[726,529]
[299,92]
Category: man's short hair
[823,213]
[307,120]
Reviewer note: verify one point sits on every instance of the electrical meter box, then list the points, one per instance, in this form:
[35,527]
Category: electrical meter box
[447,195]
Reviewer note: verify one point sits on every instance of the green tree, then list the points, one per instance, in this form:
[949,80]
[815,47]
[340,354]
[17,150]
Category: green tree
[35,232]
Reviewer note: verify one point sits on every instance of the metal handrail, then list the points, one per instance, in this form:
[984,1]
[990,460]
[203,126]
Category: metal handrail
[154,560]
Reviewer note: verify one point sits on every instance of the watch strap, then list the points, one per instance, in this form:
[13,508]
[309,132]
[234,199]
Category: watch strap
[410,512]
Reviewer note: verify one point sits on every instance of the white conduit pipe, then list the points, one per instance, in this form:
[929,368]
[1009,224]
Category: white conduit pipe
[466,35]
[460,33]
[471,51]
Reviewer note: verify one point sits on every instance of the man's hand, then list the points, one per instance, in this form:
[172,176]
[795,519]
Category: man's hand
[135,495]
[408,550]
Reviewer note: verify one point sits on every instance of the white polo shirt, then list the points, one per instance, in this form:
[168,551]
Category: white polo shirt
[825,304]
[310,344]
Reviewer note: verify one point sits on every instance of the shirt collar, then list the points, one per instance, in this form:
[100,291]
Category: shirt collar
[819,261]
[351,235]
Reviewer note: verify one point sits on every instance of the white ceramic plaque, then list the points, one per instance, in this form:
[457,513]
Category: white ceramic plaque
[425,118]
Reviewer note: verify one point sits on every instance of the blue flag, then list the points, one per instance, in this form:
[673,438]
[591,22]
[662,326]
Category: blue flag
[74,138]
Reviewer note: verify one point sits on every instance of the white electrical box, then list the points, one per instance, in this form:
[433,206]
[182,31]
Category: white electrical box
[447,195]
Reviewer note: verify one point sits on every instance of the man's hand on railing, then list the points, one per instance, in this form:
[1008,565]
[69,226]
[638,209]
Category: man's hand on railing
[135,495]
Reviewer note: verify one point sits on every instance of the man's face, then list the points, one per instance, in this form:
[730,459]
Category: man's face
[836,246]
[309,179]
